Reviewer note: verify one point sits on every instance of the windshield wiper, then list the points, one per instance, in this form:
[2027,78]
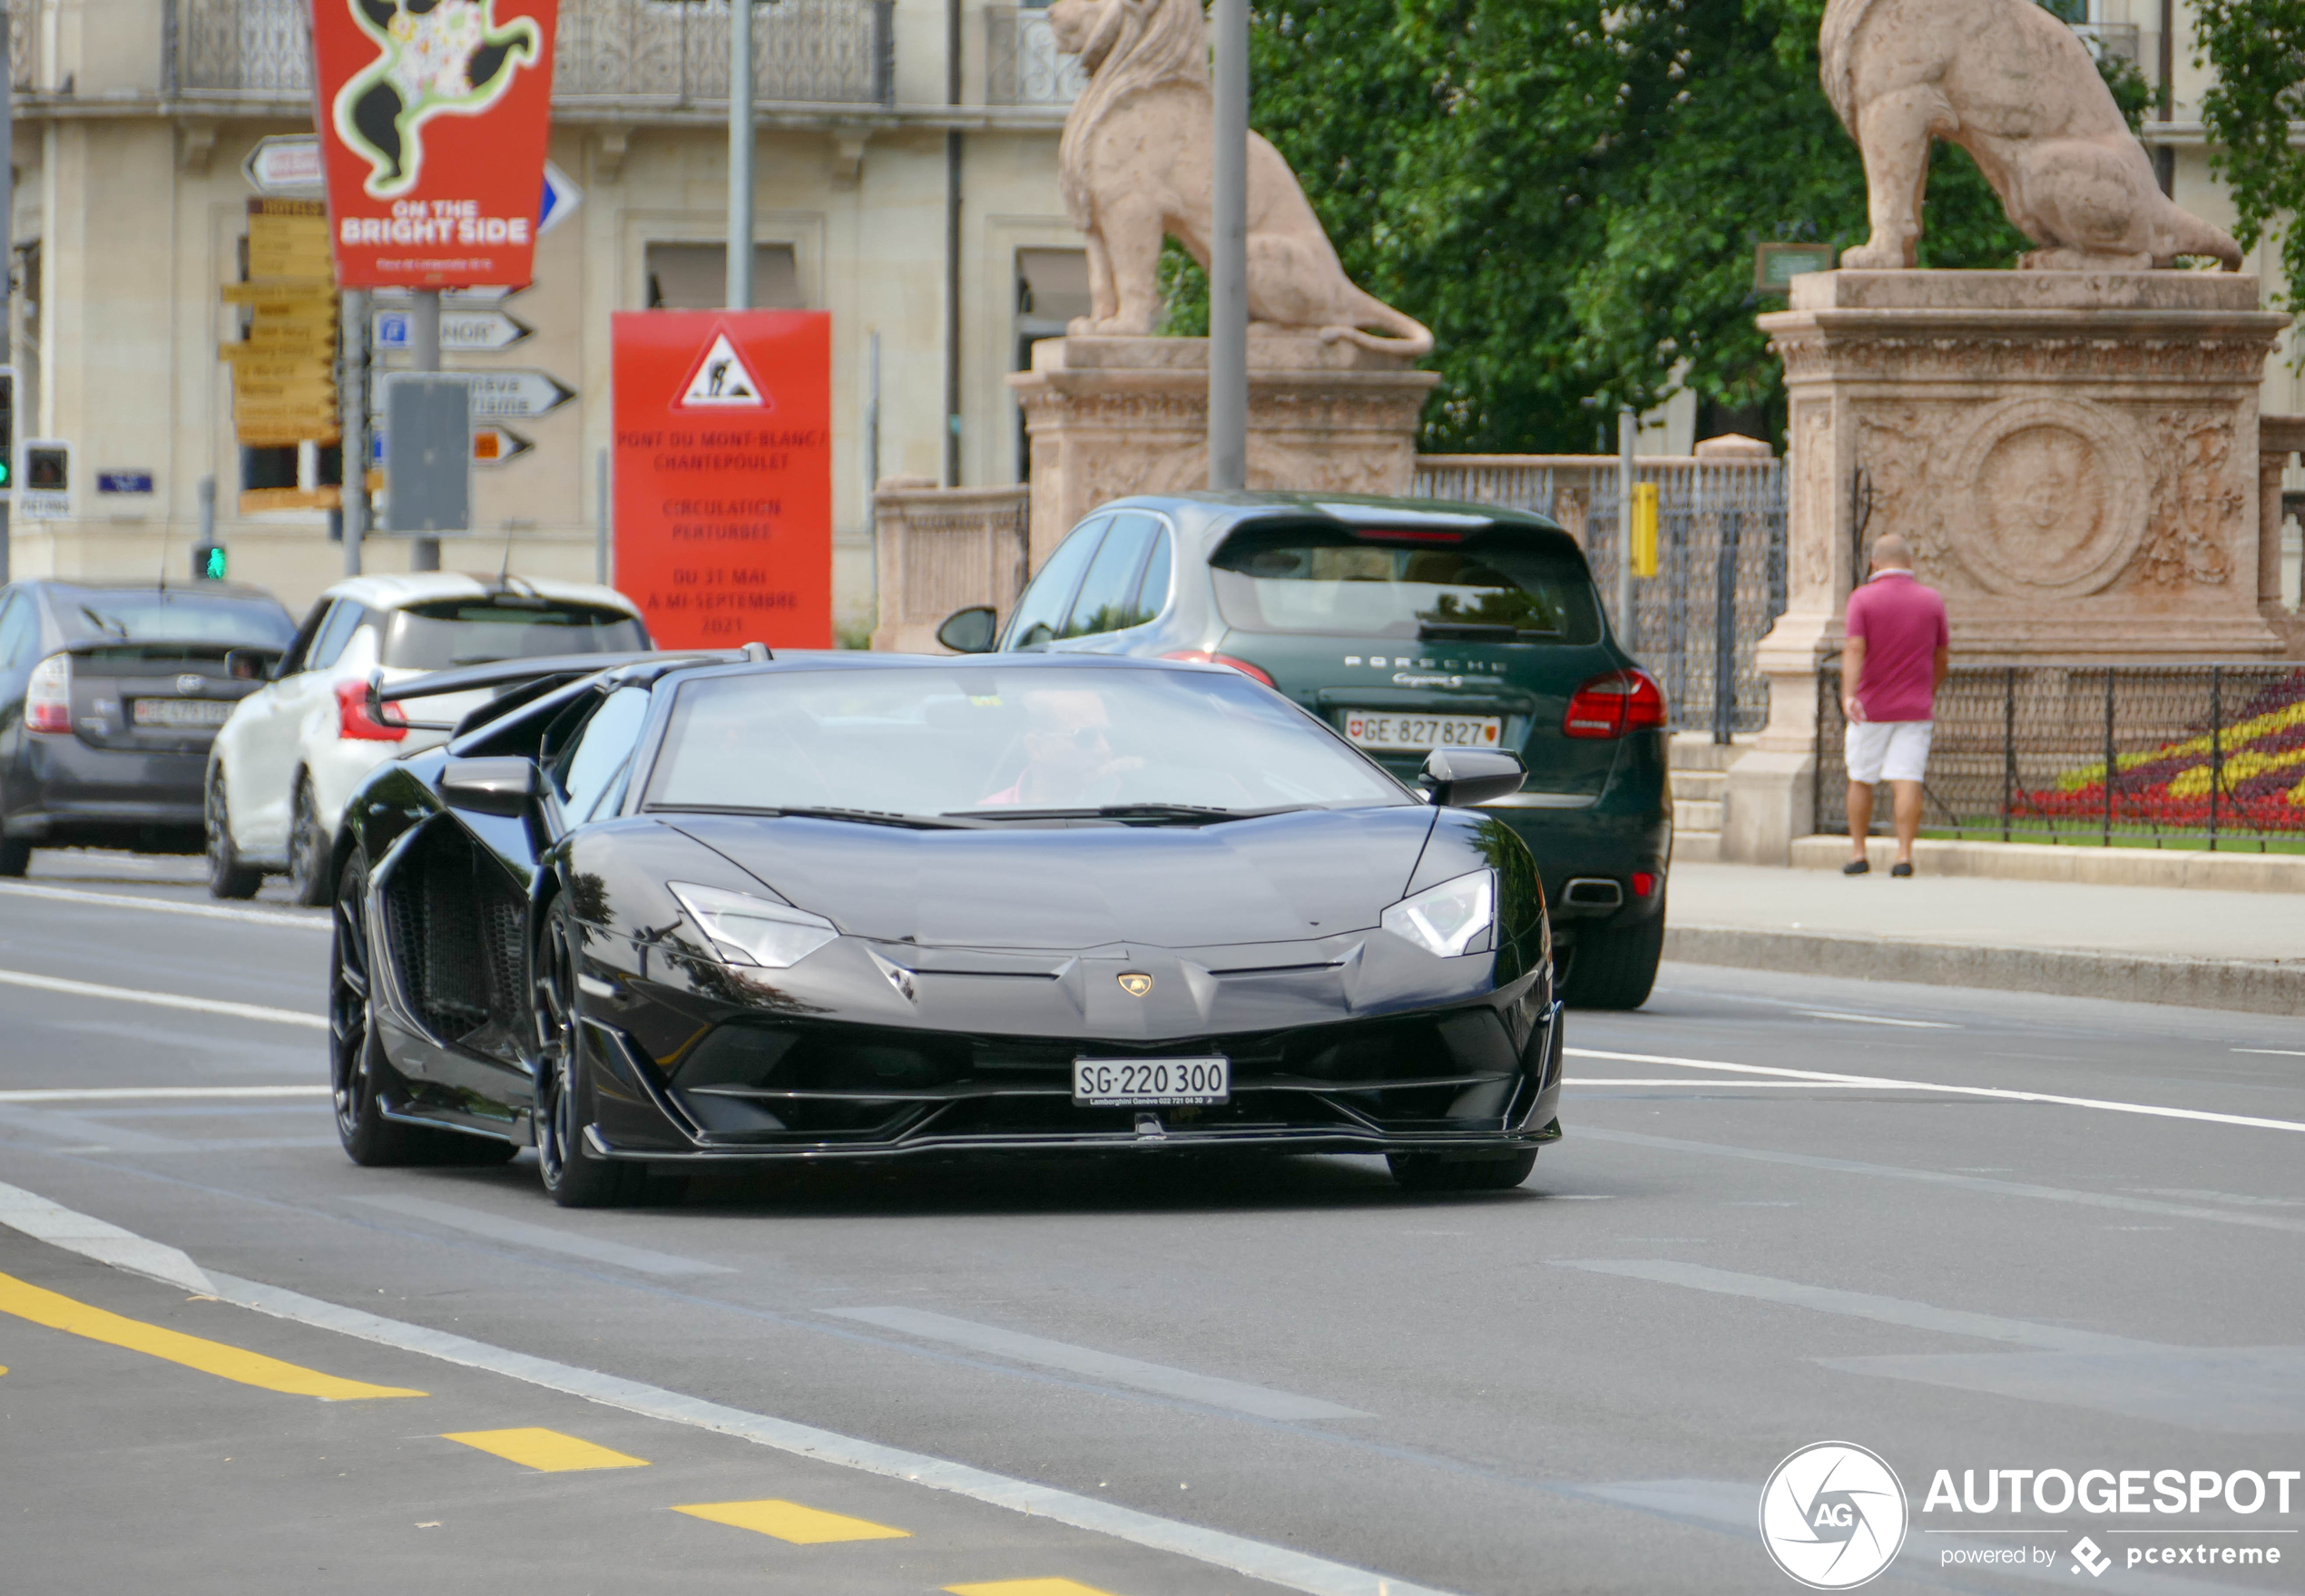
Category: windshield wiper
[1128,812]
[862,817]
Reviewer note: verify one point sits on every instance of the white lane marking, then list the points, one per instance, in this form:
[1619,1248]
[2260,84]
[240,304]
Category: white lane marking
[1576,1081]
[1875,1019]
[169,905]
[2005,1093]
[1964,1180]
[1861,1304]
[161,1000]
[645,1260]
[112,1094]
[1209,1390]
[92,1237]
[2286,1052]
[1277,1565]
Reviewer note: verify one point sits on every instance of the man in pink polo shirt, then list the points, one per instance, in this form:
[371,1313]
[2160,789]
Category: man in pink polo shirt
[1891,668]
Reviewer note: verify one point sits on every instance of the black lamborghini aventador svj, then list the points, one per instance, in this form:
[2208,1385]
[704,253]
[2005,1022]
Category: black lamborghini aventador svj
[699,910]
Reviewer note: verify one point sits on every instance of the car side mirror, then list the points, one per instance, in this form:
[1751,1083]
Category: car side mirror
[249,664]
[1457,776]
[972,631]
[499,786]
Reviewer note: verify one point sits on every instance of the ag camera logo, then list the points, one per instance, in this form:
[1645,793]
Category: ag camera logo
[1833,1515]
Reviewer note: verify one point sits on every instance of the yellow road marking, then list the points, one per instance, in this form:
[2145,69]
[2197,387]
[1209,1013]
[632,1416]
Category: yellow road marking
[213,1357]
[1028,1588]
[788,1521]
[548,1451]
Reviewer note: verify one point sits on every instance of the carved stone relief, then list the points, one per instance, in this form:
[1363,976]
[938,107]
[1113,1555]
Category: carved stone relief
[2053,501]
[2197,497]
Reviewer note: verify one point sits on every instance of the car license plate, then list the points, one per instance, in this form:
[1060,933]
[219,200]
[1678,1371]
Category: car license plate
[1371,731]
[182,711]
[1150,1082]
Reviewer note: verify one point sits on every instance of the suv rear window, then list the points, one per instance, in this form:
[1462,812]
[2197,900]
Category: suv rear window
[212,619]
[1492,584]
[473,631]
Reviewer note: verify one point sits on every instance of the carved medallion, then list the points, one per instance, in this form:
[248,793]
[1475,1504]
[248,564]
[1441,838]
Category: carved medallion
[2049,497]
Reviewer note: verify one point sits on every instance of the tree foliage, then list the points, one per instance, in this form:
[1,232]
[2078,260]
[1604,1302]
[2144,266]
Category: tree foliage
[1569,192]
[2257,49]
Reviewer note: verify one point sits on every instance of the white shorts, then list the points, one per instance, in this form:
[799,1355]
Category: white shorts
[1888,750]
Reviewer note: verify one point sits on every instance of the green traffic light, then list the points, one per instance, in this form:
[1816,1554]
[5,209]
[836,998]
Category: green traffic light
[211,562]
[7,473]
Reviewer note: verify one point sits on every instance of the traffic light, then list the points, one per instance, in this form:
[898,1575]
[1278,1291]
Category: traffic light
[210,562]
[8,428]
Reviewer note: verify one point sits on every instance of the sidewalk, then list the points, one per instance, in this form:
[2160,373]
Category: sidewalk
[2191,946]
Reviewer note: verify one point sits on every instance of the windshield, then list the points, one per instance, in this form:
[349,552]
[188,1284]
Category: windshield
[216,618]
[989,743]
[473,631]
[1501,585]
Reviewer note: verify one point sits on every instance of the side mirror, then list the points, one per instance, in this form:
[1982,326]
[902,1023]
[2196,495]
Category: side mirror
[1457,776]
[249,664]
[501,786]
[972,631]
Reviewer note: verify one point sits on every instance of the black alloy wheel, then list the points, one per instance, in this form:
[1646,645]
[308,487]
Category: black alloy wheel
[307,850]
[226,877]
[1615,969]
[356,1054]
[1438,1171]
[574,1176]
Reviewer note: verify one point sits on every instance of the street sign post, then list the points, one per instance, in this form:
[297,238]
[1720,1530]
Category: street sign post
[431,133]
[724,474]
[286,165]
[462,332]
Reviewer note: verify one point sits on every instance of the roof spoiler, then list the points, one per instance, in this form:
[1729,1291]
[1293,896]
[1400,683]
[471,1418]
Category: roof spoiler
[505,672]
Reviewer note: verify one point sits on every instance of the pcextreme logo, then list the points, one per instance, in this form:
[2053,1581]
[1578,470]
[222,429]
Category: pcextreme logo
[1833,1515]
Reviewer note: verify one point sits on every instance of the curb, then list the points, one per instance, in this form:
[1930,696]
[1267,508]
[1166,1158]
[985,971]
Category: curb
[2202,983]
[2096,866]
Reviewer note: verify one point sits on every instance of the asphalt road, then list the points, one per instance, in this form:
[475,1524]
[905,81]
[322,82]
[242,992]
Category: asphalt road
[1989,1264]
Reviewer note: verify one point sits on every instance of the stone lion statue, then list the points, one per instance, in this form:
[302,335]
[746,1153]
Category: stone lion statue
[1135,167]
[2015,87]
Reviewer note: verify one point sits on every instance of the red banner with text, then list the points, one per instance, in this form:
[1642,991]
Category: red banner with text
[724,474]
[432,125]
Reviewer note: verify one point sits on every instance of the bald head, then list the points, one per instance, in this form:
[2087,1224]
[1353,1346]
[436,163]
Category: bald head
[1892,553]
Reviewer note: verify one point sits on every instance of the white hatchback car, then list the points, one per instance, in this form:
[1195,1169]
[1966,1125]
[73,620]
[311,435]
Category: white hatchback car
[283,766]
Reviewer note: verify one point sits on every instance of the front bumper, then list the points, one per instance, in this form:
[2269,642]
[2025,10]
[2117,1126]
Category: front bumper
[1344,1059]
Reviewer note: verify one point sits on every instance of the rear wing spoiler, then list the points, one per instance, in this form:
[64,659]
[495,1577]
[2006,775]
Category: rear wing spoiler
[521,679]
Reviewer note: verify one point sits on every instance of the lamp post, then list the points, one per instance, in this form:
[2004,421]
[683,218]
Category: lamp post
[739,290]
[1229,253]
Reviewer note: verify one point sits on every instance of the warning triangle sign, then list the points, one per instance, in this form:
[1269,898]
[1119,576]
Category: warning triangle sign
[722,381]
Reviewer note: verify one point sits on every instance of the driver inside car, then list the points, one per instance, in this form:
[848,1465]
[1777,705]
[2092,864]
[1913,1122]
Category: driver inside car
[1069,762]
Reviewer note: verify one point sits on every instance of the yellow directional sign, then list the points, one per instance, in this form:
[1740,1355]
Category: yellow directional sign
[284,368]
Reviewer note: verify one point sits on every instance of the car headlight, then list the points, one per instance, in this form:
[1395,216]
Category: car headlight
[1446,919]
[753,930]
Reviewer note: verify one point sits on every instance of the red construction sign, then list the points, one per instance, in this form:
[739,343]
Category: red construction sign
[432,127]
[724,474]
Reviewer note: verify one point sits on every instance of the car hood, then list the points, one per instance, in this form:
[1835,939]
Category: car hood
[1280,879]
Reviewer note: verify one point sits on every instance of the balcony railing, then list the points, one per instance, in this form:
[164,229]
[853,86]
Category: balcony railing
[805,52]
[1022,65]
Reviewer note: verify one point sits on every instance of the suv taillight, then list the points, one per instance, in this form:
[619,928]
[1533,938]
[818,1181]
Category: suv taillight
[47,696]
[1614,704]
[1203,656]
[354,723]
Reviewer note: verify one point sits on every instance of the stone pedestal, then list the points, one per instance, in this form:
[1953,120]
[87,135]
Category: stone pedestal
[1113,417]
[2073,456]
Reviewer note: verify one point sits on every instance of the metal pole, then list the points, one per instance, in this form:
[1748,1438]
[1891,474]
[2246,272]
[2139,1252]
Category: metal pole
[1628,433]
[2008,748]
[2216,746]
[601,514]
[954,171]
[2110,773]
[352,430]
[1229,254]
[740,294]
[424,344]
[7,249]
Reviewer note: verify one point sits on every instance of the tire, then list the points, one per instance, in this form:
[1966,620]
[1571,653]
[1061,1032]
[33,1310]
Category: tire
[574,1176]
[1615,969]
[15,853]
[356,1057]
[308,869]
[1439,1172]
[226,877]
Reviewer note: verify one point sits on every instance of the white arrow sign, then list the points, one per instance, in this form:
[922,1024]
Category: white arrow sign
[462,332]
[495,445]
[287,165]
[521,395]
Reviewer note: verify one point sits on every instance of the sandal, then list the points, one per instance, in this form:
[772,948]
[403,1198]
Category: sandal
[1904,868]
[1855,867]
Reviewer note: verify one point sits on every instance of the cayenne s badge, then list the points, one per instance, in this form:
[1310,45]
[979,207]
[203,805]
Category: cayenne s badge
[1134,984]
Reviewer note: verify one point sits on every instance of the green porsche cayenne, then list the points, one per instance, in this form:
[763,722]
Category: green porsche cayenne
[1407,625]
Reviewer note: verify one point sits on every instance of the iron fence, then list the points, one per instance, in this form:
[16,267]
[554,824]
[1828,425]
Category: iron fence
[1719,582]
[668,52]
[2177,755]
[1022,65]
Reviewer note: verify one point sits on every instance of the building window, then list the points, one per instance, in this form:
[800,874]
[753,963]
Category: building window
[695,277]
[1051,287]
